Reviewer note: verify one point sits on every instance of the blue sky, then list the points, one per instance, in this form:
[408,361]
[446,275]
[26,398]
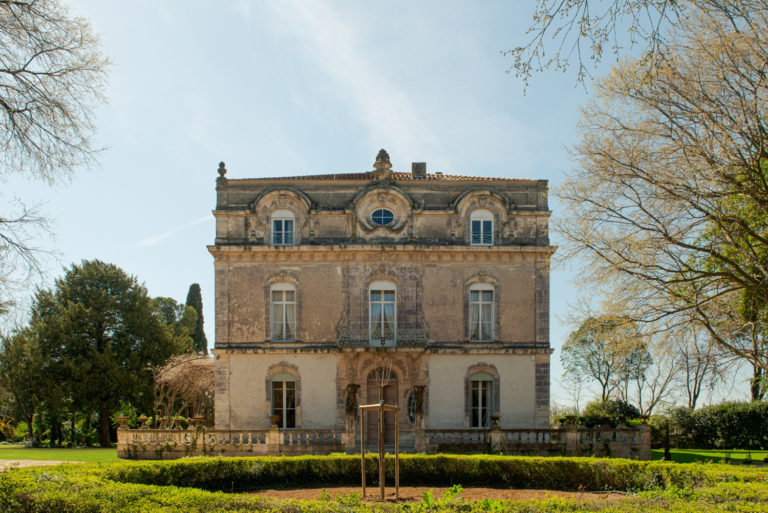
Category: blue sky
[296,87]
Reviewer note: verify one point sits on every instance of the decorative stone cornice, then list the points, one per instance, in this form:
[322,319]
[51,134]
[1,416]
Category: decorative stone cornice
[330,348]
[392,252]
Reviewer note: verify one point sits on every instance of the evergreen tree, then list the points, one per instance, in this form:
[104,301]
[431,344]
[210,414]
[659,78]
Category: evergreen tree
[195,300]
[101,331]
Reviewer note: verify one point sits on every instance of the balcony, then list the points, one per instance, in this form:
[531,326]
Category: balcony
[348,337]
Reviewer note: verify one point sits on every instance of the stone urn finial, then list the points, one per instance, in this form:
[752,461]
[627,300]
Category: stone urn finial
[222,169]
[382,161]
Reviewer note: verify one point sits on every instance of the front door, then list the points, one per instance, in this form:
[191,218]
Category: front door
[376,378]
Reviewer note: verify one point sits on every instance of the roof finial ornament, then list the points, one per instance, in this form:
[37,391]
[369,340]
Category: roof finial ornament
[222,169]
[382,161]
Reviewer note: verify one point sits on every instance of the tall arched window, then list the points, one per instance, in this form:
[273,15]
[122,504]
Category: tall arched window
[283,222]
[481,312]
[284,400]
[481,400]
[283,312]
[382,304]
[481,227]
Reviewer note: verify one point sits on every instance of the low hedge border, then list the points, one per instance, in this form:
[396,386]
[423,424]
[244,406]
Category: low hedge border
[593,474]
[189,484]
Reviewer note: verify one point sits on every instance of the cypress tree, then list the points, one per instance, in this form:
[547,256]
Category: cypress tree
[195,300]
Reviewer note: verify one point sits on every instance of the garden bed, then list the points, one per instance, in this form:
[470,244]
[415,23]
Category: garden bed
[217,485]
[416,494]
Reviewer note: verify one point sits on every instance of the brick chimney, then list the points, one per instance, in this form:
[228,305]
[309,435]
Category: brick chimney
[419,169]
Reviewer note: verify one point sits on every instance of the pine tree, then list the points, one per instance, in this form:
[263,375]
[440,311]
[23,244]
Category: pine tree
[195,300]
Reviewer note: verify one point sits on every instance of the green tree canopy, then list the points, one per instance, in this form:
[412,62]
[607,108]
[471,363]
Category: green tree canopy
[605,349]
[102,332]
[21,373]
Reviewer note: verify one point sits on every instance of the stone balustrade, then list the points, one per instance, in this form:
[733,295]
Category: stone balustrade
[622,442]
[170,444]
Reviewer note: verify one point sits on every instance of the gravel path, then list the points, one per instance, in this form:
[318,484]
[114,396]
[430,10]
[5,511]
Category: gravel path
[6,464]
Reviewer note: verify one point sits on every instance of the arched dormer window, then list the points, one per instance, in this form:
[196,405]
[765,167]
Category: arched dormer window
[283,228]
[283,312]
[382,317]
[481,227]
[481,312]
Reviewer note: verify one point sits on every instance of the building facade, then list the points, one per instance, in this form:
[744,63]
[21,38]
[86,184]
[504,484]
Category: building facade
[425,290]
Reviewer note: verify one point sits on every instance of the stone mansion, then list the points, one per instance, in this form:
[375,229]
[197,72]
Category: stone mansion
[435,286]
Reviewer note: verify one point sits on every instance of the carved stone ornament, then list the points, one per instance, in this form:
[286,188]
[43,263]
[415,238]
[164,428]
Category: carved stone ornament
[222,169]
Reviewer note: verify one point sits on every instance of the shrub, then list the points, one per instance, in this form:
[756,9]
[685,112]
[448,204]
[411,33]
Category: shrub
[610,411]
[732,425]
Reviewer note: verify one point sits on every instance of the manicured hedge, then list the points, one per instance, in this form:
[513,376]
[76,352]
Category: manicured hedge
[415,470]
[187,485]
[732,425]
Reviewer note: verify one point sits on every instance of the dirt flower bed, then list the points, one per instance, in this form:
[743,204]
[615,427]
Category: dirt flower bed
[416,494]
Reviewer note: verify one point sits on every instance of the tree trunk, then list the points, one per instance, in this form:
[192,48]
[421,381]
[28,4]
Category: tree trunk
[30,429]
[756,384]
[104,439]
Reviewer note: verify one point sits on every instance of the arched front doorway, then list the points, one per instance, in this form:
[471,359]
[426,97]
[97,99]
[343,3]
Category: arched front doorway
[375,378]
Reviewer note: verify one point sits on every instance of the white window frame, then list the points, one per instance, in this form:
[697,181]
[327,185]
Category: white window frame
[284,322]
[281,235]
[283,379]
[483,237]
[379,305]
[481,386]
[479,317]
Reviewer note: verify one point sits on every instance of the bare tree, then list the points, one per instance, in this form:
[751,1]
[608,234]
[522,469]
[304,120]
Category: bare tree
[669,207]
[659,377]
[52,75]
[702,364]
[184,387]
[606,349]
[581,32]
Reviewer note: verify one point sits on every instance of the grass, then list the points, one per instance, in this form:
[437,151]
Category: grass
[89,454]
[711,455]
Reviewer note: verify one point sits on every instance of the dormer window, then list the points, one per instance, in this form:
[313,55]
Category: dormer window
[481,228]
[382,217]
[283,222]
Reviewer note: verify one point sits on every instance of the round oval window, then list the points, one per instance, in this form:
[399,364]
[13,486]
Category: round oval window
[382,217]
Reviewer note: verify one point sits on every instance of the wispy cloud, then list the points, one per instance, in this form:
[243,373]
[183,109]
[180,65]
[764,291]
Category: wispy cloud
[338,49]
[151,241]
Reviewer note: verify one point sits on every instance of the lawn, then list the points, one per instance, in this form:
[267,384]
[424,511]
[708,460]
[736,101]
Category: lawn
[711,455]
[90,454]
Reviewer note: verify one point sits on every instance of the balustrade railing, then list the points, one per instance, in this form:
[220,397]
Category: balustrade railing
[569,441]
[349,337]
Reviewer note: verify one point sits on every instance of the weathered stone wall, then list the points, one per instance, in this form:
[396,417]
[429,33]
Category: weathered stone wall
[425,252]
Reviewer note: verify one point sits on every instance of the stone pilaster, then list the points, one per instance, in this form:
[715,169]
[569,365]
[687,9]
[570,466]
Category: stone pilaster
[542,391]
[222,304]
[221,376]
[542,302]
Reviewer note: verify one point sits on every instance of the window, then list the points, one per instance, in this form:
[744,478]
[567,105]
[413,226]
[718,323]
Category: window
[481,313]
[283,228]
[284,400]
[383,327]
[283,312]
[411,407]
[481,400]
[382,217]
[481,228]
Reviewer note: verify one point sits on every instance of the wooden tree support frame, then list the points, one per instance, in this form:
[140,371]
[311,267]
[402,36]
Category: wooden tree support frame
[381,408]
